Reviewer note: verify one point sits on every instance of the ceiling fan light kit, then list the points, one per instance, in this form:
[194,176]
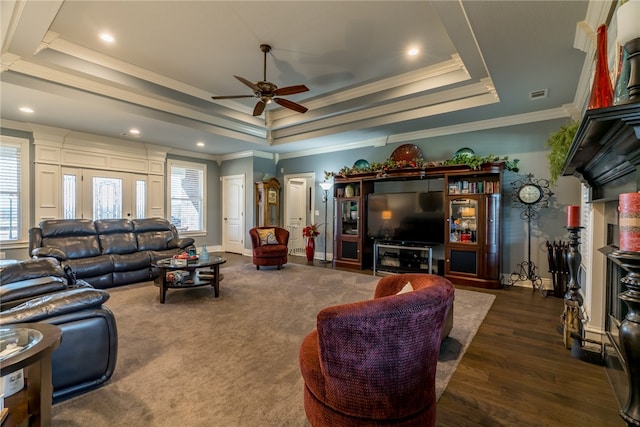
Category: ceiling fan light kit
[266,91]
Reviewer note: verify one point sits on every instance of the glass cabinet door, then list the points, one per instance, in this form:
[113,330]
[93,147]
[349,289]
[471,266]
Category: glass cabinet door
[350,216]
[463,221]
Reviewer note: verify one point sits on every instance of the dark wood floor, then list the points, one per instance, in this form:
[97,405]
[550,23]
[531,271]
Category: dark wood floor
[516,372]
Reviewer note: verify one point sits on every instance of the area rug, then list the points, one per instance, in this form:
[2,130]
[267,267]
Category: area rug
[233,360]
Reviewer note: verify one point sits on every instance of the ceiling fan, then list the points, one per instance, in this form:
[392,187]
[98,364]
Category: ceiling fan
[266,91]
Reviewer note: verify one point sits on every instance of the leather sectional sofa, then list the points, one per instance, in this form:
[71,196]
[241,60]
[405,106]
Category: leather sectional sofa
[40,291]
[108,252]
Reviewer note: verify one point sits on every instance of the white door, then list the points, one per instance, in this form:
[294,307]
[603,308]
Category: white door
[233,213]
[98,194]
[296,213]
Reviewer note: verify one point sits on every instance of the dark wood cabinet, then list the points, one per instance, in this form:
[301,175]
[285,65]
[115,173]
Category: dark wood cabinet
[472,209]
[472,220]
[351,248]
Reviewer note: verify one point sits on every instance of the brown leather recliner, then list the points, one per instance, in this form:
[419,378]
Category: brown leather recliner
[269,252]
[374,362]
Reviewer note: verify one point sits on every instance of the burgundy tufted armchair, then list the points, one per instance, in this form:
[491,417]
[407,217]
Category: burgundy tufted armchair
[374,362]
[269,254]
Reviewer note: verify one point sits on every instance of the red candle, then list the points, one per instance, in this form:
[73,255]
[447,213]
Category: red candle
[573,216]
[629,210]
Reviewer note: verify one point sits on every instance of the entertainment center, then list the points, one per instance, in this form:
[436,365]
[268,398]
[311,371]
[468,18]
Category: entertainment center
[412,212]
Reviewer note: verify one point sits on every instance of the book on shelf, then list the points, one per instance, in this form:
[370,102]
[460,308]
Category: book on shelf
[207,275]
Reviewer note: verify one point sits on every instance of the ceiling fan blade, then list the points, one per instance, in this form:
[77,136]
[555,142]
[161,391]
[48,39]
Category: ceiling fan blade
[259,108]
[233,96]
[291,105]
[248,83]
[290,90]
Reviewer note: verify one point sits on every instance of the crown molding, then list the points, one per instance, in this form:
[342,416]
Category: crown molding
[375,142]
[245,154]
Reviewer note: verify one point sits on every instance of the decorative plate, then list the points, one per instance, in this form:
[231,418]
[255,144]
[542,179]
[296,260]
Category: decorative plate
[406,152]
[464,152]
[361,164]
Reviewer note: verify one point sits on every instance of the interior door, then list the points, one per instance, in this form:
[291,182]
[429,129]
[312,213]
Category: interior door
[296,213]
[233,213]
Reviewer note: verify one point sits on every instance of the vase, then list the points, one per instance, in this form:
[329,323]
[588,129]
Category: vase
[310,248]
[601,89]
[204,253]
[349,191]
[621,91]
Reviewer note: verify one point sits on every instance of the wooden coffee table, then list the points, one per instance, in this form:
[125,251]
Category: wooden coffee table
[199,273]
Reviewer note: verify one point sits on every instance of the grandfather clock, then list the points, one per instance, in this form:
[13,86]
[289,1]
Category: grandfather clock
[268,203]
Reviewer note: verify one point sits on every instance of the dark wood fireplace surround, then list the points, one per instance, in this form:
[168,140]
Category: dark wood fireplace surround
[605,155]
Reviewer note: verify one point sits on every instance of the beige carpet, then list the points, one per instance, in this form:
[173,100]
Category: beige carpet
[231,361]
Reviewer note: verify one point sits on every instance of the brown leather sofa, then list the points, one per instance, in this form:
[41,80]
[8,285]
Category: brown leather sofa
[269,253]
[108,252]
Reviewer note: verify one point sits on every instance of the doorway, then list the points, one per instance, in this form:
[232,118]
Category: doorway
[299,195]
[99,194]
[233,218]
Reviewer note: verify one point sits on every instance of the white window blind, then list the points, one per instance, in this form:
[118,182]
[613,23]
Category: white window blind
[187,189]
[14,197]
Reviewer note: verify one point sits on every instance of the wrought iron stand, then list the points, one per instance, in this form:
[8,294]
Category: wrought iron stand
[527,270]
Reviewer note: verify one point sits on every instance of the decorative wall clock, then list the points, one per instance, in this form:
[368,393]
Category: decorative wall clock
[530,195]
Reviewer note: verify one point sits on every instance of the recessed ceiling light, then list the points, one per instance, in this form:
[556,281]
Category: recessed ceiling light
[106,37]
[26,110]
[413,51]
[134,131]
[200,144]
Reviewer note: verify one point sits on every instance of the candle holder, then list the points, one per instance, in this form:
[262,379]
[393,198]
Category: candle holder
[629,333]
[573,258]
[573,300]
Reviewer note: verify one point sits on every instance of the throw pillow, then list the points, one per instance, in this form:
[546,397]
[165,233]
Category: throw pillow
[267,236]
[405,289]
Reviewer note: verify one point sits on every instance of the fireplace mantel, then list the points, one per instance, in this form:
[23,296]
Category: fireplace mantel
[605,153]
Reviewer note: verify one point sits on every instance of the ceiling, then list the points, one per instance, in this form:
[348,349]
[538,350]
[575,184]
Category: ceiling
[477,64]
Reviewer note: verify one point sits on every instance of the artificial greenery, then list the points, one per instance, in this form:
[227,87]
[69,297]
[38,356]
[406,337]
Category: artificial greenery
[476,162]
[559,142]
[473,161]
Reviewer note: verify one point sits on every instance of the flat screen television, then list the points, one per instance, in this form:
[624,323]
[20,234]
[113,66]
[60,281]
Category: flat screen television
[406,217]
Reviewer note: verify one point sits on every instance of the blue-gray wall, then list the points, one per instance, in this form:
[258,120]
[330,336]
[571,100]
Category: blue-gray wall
[524,142]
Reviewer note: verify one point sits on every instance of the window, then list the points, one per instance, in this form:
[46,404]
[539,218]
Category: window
[141,198]
[107,198]
[14,196]
[69,195]
[186,195]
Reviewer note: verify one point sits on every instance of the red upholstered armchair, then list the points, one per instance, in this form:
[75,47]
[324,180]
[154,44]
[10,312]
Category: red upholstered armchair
[374,362]
[272,248]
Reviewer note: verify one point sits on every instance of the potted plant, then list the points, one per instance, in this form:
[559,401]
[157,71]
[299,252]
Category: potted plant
[559,142]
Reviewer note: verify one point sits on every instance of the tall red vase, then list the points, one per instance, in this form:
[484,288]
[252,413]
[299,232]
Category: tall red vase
[601,90]
[310,248]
